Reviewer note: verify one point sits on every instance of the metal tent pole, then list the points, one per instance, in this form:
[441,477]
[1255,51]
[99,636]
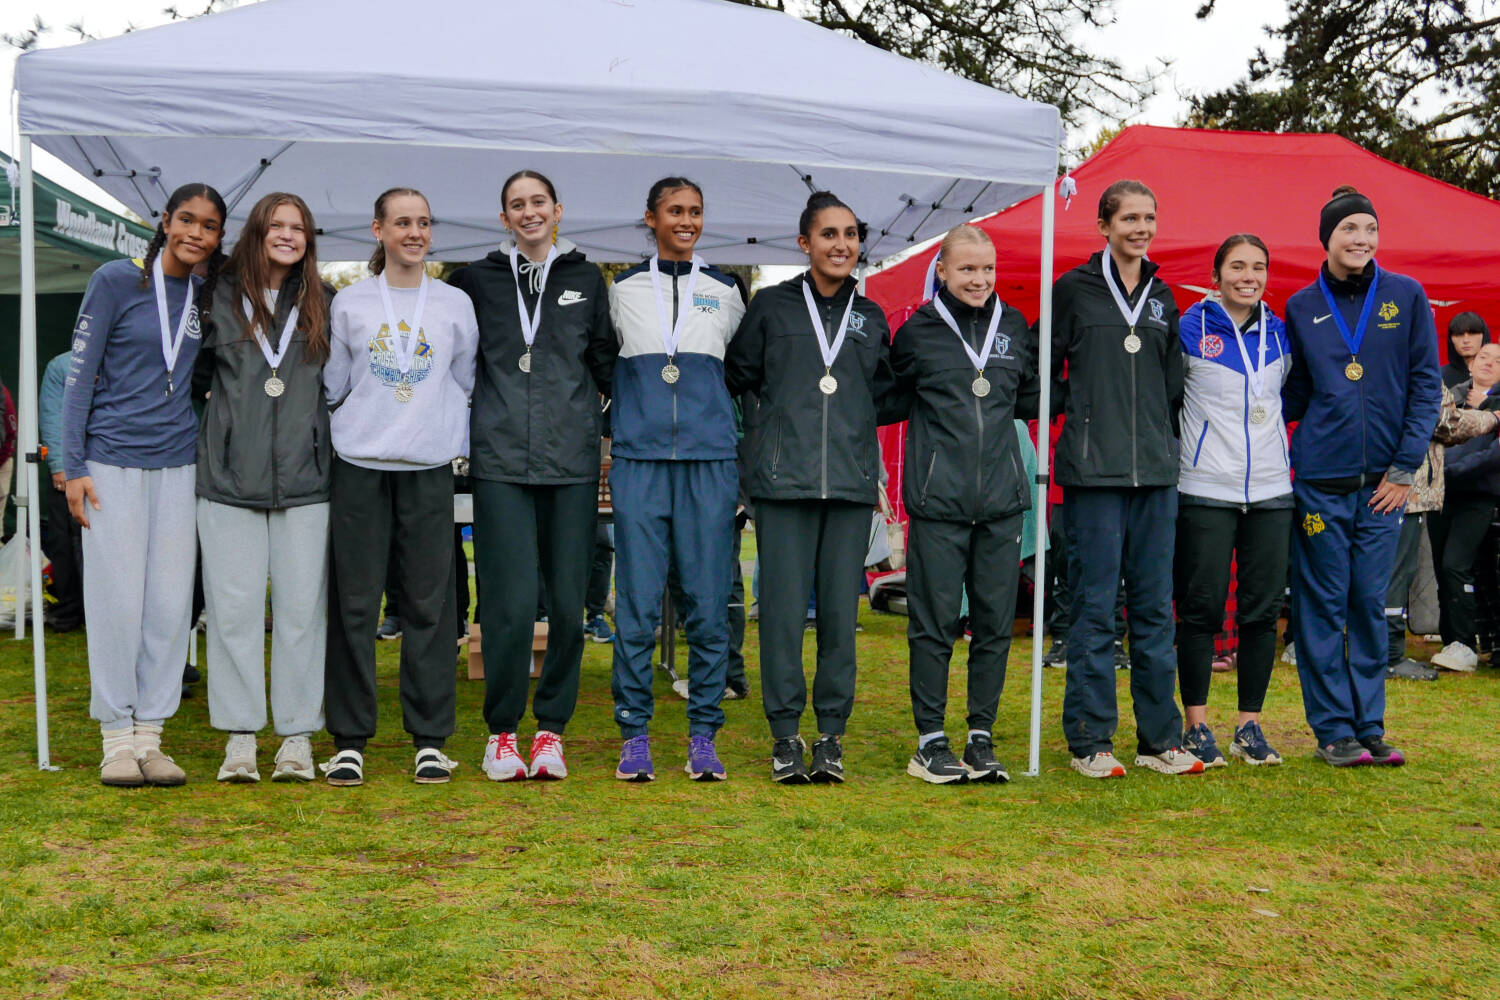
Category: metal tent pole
[1043,470]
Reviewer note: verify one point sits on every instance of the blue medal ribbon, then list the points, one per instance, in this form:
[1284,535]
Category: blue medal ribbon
[1355,339]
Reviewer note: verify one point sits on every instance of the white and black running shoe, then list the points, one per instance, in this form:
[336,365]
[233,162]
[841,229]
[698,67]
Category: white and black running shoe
[936,764]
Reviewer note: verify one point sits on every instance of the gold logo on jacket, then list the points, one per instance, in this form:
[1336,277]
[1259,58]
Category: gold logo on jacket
[1388,311]
[1312,524]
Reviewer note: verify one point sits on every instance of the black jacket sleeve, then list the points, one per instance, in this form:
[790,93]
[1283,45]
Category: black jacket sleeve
[603,346]
[745,358]
[1029,392]
[896,405]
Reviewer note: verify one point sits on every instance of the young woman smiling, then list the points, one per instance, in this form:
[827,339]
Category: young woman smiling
[546,354]
[398,378]
[1235,494]
[673,477]
[130,437]
[817,355]
[264,460]
[965,368]
[1366,388]
[1117,461]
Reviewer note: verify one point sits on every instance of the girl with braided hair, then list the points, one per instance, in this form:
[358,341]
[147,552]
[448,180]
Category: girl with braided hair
[130,435]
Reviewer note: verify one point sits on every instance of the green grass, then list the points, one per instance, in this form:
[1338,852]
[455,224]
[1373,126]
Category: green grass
[1381,883]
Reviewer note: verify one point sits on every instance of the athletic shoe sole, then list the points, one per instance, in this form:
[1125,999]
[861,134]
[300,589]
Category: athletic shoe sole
[1154,764]
[238,775]
[639,777]
[1244,755]
[293,774]
[1218,761]
[519,774]
[704,775]
[1080,765]
[540,773]
[1394,760]
[826,777]
[791,777]
[990,776]
[916,770]
[1457,668]
[1362,760]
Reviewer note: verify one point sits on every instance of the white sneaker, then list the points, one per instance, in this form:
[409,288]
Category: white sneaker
[1099,765]
[1173,760]
[501,761]
[239,759]
[294,761]
[1289,655]
[680,688]
[547,756]
[1456,656]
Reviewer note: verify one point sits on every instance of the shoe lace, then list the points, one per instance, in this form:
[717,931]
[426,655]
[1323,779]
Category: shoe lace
[638,749]
[545,742]
[701,746]
[940,754]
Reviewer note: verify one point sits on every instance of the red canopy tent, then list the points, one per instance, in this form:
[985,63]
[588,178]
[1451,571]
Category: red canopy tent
[1210,185]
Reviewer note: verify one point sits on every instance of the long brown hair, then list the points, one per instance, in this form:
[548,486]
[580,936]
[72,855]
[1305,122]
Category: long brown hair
[377,258]
[248,265]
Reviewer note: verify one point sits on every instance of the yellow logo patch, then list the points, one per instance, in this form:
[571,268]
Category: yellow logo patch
[1388,311]
[1312,524]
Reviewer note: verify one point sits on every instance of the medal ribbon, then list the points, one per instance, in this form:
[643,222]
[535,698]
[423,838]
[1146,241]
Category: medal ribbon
[829,352]
[1355,339]
[1256,376]
[530,324]
[989,336]
[406,351]
[671,332]
[170,346]
[273,358]
[1131,317]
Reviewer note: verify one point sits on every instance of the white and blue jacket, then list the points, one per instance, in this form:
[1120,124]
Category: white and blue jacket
[691,419]
[1225,455]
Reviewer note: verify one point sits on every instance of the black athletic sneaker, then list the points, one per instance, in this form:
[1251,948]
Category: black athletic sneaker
[786,762]
[1345,752]
[1382,752]
[936,765]
[1057,655]
[979,759]
[827,761]
[1122,658]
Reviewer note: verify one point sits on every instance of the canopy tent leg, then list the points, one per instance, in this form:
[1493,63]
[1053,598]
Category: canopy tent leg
[28,486]
[1043,476]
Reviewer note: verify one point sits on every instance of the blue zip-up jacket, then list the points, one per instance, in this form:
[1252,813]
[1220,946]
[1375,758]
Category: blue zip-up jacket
[1226,455]
[1380,424]
[50,410]
[691,419]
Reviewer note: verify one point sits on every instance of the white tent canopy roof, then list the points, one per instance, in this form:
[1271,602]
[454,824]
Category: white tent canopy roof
[339,99]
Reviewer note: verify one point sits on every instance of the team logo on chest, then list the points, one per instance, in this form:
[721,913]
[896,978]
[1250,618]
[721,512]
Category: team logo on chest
[1312,524]
[1002,346]
[383,363]
[1158,313]
[705,303]
[1211,346]
[1388,311]
[856,321]
[194,328]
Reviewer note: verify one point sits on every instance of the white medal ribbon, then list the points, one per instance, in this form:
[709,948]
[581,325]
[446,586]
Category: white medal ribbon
[273,358]
[1131,317]
[530,324]
[829,352]
[1256,376]
[170,346]
[989,337]
[406,351]
[672,332]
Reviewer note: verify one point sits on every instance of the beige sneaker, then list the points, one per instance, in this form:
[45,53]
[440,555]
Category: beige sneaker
[121,770]
[159,769]
[294,761]
[239,760]
[1099,765]
[1173,760]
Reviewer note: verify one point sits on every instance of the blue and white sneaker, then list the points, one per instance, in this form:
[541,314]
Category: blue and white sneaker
[597,629]
[703,762]
[1200,742]
[1250,746]
[635,760]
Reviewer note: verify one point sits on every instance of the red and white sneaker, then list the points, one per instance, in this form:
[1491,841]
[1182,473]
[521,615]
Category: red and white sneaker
[501,761]
[547,756]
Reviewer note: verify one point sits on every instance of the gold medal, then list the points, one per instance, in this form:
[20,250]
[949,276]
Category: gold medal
[670,374]
[1354,371]
[828,385]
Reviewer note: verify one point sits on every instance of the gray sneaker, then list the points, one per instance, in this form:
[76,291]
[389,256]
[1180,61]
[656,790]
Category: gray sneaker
[1173,760]
[239,760]
[1099,765]
[1407,669]
[294,761]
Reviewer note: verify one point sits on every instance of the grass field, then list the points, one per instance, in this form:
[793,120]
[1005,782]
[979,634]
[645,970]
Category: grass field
[1298,881]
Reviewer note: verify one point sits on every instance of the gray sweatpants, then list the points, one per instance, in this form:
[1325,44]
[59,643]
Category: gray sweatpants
[241,545]
[138,554]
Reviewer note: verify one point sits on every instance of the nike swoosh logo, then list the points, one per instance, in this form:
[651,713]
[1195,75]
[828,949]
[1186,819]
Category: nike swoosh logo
[1321,318]
[569,297]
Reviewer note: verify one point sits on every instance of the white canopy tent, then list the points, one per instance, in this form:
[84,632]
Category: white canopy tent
[338,100]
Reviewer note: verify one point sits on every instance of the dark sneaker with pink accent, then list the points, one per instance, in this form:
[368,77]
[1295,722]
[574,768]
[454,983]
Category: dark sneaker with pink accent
[1382,752]
[1345,752]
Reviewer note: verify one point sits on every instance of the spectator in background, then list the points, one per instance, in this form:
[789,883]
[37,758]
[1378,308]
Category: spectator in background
[1472,486]
[64,536]
[1467,333]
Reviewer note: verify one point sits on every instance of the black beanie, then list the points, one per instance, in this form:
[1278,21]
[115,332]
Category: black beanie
[1340,208]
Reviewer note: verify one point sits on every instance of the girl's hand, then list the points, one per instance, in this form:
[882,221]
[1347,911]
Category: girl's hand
[79,490]
[1389,497]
